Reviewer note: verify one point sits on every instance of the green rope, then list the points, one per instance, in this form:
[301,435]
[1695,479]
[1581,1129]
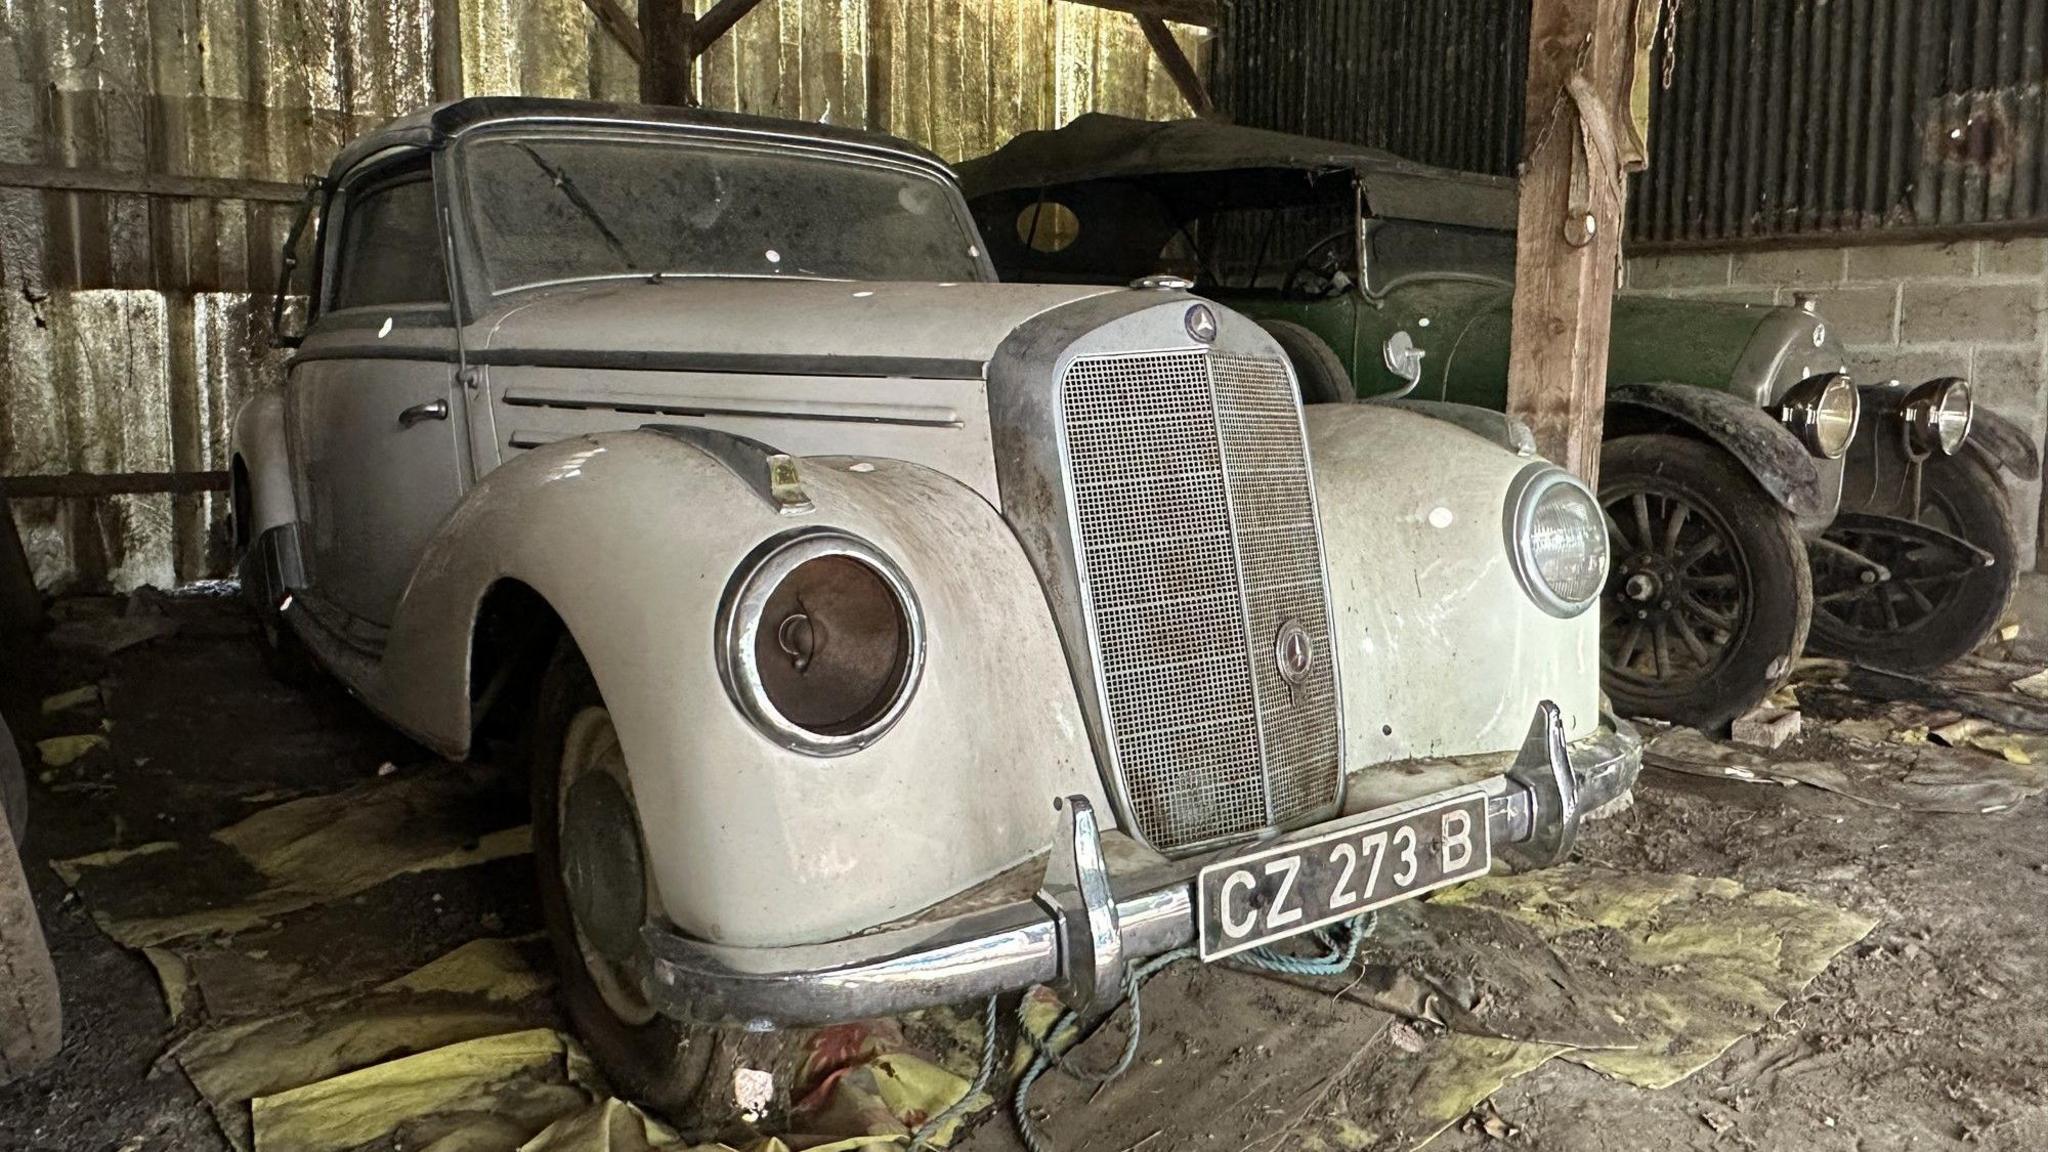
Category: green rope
[929,1130]
[1340,951]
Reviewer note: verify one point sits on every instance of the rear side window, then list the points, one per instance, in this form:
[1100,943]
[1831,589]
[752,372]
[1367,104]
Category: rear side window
[390,249]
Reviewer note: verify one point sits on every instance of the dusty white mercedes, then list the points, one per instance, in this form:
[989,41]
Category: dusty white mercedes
[881,635]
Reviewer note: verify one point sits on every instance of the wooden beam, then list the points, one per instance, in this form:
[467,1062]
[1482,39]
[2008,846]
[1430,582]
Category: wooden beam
[619,25]
[57,178]
[667,31]
[1201,13]
[1177,65]
[1569,232]
[21,606]
[447,51]
[85,484]
[717,21]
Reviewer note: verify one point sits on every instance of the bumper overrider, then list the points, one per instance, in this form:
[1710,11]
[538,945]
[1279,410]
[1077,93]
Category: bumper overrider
[1085,925]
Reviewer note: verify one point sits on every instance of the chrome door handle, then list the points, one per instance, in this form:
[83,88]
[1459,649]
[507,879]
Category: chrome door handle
[431,410]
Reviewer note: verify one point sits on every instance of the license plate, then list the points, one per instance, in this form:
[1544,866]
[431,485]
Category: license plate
[1381,858]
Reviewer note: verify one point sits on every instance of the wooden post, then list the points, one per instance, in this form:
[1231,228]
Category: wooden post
[1569,232]
[667,35]
[447,53]
[21,606]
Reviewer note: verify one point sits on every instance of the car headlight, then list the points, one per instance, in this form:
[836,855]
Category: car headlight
[820,642]
[1938,415]
[1824,410]
[1558,538]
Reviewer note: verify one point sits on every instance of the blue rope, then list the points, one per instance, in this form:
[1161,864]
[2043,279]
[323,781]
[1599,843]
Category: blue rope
[929,1130]
[1340,945]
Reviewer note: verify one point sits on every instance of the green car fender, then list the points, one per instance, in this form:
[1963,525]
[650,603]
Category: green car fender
[1765,448]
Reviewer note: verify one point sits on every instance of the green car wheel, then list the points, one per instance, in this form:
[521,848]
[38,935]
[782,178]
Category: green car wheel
[1709,598]
[1935,608]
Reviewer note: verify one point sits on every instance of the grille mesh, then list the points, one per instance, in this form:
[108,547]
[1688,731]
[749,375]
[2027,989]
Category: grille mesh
[1196,536]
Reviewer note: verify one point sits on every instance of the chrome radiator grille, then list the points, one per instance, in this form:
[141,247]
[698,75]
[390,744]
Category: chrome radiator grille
[1196,538]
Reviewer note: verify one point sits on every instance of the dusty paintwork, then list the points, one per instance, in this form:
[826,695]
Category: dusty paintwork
[922,418]
[270,90]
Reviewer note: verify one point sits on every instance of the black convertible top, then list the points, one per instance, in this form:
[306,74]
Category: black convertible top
[1102,147]
[432,127]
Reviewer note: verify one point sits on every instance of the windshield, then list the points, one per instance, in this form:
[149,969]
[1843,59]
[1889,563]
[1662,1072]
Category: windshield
[549,208]
[1407,248]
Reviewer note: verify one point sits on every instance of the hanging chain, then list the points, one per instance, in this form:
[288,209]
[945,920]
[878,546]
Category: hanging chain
[1671,8]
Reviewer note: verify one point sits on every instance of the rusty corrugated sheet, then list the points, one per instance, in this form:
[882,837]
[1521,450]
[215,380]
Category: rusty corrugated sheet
[1438,81]
[1848,119]
[1835,120]
[131,326]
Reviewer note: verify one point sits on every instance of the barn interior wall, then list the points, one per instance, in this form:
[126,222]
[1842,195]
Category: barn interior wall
[1908,312]
[131,327]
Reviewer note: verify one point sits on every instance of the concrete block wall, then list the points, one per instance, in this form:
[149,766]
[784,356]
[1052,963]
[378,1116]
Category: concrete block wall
[1906,312]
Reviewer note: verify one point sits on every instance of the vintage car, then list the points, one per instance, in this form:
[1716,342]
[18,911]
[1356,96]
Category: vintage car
[883,635]
[1743,503]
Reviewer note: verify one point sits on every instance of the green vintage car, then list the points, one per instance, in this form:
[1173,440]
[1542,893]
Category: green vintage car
[1761,502]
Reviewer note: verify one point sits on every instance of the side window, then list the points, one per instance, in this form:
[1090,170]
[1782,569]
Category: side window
[390,250]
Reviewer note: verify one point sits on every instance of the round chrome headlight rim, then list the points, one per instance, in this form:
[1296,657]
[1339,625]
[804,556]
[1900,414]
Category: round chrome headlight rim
[739,629]
[1525,497]
[1807,405]
[1932,423]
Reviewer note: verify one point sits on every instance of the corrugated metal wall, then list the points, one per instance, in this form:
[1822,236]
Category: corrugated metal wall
[1803,117]
[1438,81]
[1836,120]
[131,327]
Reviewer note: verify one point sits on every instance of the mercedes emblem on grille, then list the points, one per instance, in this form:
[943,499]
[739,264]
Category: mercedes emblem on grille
[1201,322]
[1294,654]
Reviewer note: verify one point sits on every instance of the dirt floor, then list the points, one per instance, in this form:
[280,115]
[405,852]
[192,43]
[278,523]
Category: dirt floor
[1931,1032]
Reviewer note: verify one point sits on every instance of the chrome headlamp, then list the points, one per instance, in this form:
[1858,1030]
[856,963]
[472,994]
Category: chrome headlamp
[1824,411]
[1557,536]
[820,642]
[1937,415]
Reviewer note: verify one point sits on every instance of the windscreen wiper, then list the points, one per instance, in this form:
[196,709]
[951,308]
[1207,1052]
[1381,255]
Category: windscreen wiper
[575,196]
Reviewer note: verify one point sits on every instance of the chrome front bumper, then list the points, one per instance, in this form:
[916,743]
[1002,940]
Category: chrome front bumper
[1084,924]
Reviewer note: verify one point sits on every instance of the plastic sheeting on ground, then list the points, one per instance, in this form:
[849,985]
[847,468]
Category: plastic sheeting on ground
[1688,964]
[1910,773]
[297,854]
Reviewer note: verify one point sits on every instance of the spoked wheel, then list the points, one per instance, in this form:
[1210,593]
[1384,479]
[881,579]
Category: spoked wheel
[1709,596]
[596,892]
[1939,603]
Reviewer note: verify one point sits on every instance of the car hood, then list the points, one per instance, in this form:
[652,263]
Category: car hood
[890,326]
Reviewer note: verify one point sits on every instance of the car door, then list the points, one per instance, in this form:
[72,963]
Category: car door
[379,441]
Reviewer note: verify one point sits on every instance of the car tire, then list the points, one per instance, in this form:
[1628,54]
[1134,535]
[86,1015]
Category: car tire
[284,655]
[684,1071]
[1317,370]
[1702,620]
[31,1016]
[1921,626]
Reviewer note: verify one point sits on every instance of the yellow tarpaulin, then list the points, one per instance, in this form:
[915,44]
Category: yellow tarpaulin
[297,854]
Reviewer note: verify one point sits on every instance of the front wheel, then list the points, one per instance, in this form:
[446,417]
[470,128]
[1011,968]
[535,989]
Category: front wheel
[1936,607]
[596,893]
[1710,596]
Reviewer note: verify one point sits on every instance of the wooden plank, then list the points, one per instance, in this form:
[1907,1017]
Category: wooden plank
[619,25]
[1178,68]
[1201,13]
[667,32]
[447,50]
[718,20]
[57,178]
[86,484]
[1564,291]
[21,606]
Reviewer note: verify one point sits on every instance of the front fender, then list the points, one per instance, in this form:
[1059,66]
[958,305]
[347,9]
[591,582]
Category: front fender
[1999,443]
[258,442]
[1766,449]
[1440,650]
[632,538]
